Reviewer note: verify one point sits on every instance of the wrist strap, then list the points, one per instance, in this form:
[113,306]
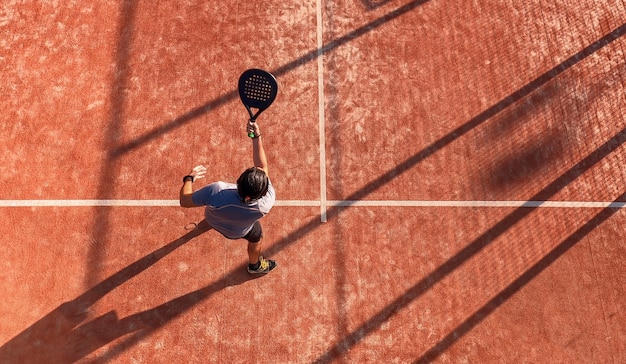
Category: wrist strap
[188,178]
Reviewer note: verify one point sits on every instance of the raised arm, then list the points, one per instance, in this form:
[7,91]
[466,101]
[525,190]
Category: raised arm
[187,189]
[258,153]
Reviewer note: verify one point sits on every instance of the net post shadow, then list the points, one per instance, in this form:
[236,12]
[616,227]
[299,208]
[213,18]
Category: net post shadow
[110,166]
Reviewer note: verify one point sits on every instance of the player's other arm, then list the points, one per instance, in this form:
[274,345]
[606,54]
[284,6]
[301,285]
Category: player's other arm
[187,189]
[258,152]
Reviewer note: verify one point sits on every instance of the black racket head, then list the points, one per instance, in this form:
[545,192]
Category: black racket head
[257,88]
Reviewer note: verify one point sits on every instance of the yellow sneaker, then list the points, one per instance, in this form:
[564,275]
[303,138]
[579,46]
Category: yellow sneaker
[266,266]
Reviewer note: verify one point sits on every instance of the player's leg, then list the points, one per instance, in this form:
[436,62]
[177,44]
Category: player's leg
[256,262]
[254,252]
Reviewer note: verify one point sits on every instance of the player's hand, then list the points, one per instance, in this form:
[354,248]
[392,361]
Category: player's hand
[198,172]
[253,129]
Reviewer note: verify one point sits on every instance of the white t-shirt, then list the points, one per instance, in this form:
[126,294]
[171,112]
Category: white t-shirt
[225,211]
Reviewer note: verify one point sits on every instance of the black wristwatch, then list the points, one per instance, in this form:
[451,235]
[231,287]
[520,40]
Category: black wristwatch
[188,178]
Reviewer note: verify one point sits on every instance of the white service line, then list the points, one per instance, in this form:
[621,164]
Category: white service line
[321,104]
[552,204]
[87,203]
[314,203]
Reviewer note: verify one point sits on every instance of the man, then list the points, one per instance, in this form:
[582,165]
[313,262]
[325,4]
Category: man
[234,210]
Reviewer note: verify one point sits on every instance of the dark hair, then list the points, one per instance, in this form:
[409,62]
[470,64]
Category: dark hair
[252,183]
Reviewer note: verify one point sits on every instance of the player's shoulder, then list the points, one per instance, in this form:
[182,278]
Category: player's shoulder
[215,188]
[221,185]
[267,202]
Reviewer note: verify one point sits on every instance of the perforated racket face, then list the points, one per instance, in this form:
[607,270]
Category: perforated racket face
[257,88]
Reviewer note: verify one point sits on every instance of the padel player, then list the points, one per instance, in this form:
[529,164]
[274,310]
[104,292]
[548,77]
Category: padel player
[234,210]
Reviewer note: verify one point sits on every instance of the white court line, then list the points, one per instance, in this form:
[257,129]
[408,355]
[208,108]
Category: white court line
[88,203]
[552,204]
[321,104]
[314,203]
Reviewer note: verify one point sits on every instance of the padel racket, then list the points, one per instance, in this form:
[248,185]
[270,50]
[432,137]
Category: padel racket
[257,90]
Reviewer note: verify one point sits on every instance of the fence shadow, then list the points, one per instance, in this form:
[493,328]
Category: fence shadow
[471,250]
[530,274]
[177,306]
[288,67]
[58,336]
[350,340]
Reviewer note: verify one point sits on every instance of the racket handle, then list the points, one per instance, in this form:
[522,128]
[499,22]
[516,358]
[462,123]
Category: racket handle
[252,120]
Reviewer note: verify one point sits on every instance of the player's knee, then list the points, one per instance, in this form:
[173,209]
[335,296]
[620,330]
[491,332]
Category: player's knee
[255,239]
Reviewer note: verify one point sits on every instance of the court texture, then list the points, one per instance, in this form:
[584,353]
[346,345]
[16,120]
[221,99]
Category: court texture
[450,177]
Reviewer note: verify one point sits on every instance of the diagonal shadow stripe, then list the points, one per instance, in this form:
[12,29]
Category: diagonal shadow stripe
[172,309]
[191,299]
[477,317]
[232,95]
[178,306]
[472,249]
[487,114]
[331,46]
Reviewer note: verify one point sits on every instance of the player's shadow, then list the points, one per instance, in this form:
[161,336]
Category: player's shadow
[63,336]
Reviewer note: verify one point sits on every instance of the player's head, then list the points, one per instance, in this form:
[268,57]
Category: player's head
[252,184]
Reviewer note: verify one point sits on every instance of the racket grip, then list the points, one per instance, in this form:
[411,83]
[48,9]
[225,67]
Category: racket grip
[252,120]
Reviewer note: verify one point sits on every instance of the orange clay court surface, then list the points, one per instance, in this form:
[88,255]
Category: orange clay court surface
[451,180]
